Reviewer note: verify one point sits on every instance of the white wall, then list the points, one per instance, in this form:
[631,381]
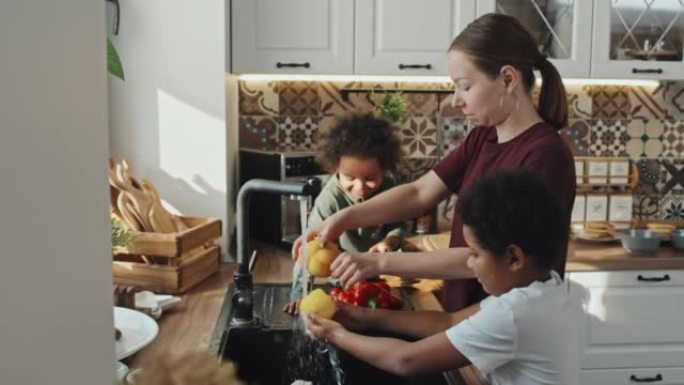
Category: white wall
[168,118]
[55,263]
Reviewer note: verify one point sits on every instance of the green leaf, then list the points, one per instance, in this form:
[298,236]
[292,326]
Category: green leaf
[392,106]
[113,61]
[122,238]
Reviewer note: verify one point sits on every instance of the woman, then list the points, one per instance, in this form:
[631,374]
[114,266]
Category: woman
[491,63]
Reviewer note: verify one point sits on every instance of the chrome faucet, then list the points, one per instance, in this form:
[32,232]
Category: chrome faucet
[242,299]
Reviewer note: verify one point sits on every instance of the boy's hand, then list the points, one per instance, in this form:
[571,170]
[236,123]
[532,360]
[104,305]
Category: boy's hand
[292,308]
[351,317]
[321,329]
[351,268]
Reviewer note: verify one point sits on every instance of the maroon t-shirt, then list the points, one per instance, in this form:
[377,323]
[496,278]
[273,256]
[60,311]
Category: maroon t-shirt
[539,149]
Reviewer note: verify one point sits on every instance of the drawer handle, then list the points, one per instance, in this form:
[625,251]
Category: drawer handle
[647,71]
[665,277]
[293,65]
[415,66]
[657,378]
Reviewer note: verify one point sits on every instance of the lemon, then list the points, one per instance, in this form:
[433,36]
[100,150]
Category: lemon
[318,302]
[320,258]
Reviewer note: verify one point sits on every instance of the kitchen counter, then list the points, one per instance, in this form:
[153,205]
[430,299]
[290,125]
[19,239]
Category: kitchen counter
[583,256]
[189,325]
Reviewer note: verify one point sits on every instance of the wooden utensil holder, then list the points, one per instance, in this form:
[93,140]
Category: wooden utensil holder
[177,261]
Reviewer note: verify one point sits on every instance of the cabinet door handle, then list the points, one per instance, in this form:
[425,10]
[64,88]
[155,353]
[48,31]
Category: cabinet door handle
[657,378]
[647,70]
[293,65]
[415,66]
[665,277]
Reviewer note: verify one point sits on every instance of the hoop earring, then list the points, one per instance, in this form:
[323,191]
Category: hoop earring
[517,102]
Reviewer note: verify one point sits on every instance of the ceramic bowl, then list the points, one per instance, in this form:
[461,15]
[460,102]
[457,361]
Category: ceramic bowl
[677,238]
[640,241]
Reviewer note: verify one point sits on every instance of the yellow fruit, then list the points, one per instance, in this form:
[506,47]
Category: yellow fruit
[320,258]
[313,246]
[318,269]
[318,302]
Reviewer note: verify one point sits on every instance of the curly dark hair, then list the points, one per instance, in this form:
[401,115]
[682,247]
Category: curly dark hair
[514,208]
[362,135]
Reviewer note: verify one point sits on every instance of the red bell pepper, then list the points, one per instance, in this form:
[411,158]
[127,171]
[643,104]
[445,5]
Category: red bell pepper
[369,294]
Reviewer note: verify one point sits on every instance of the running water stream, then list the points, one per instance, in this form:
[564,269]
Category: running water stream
[307,279]
[302,350]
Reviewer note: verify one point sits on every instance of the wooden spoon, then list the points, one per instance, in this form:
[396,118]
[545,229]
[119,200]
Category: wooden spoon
[141,201]
[159,214]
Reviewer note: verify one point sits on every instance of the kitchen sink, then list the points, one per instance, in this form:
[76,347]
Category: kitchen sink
[276,351]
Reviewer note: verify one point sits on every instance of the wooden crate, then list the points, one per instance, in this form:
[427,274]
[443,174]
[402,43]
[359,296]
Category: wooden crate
[201,231]
[173,262]
[130,269]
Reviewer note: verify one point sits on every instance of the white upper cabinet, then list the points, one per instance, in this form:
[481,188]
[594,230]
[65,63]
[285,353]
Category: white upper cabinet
[562,29]
[407,37]
[293,36]
[638,39]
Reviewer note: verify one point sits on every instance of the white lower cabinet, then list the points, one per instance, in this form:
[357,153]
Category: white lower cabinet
[632,327]
[659,376]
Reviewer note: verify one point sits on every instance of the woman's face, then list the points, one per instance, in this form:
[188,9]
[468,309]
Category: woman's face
[475,93]
[360,177]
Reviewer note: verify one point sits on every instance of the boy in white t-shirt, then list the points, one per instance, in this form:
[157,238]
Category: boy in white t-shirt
[522,334]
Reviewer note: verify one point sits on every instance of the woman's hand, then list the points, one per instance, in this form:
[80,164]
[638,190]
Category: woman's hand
[351,268]
[321,329]
[327,231]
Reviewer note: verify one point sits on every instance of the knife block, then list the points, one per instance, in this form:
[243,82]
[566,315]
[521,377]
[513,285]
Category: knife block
[170,262]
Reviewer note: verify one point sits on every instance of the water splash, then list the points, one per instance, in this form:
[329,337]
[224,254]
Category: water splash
[305,362]
[307,359]
[306,278]
[336,365]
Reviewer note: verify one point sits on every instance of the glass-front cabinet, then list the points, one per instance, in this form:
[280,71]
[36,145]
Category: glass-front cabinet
[639,39]
[562,29]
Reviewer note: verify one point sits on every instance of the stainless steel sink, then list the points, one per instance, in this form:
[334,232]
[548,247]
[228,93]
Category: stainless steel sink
[277,353]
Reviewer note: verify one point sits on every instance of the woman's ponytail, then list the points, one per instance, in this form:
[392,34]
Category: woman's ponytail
[553,103]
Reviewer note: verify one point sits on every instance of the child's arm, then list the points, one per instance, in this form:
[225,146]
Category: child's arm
[399,203]
[417,324]
[440,264]
[432,354]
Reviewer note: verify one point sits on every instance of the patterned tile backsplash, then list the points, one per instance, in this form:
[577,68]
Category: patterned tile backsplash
[645,124]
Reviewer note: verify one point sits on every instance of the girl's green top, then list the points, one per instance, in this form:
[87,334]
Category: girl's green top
[332,199]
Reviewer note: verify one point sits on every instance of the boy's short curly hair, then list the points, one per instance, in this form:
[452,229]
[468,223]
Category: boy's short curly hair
[514,208]
[362,135]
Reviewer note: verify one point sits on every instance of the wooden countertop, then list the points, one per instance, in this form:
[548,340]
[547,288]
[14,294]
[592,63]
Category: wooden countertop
[583,256]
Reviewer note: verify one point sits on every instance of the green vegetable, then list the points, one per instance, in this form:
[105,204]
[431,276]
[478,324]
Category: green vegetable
[392,107]
[122,238]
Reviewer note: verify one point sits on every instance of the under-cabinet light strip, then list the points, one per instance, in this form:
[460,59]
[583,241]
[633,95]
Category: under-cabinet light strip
[430,79]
